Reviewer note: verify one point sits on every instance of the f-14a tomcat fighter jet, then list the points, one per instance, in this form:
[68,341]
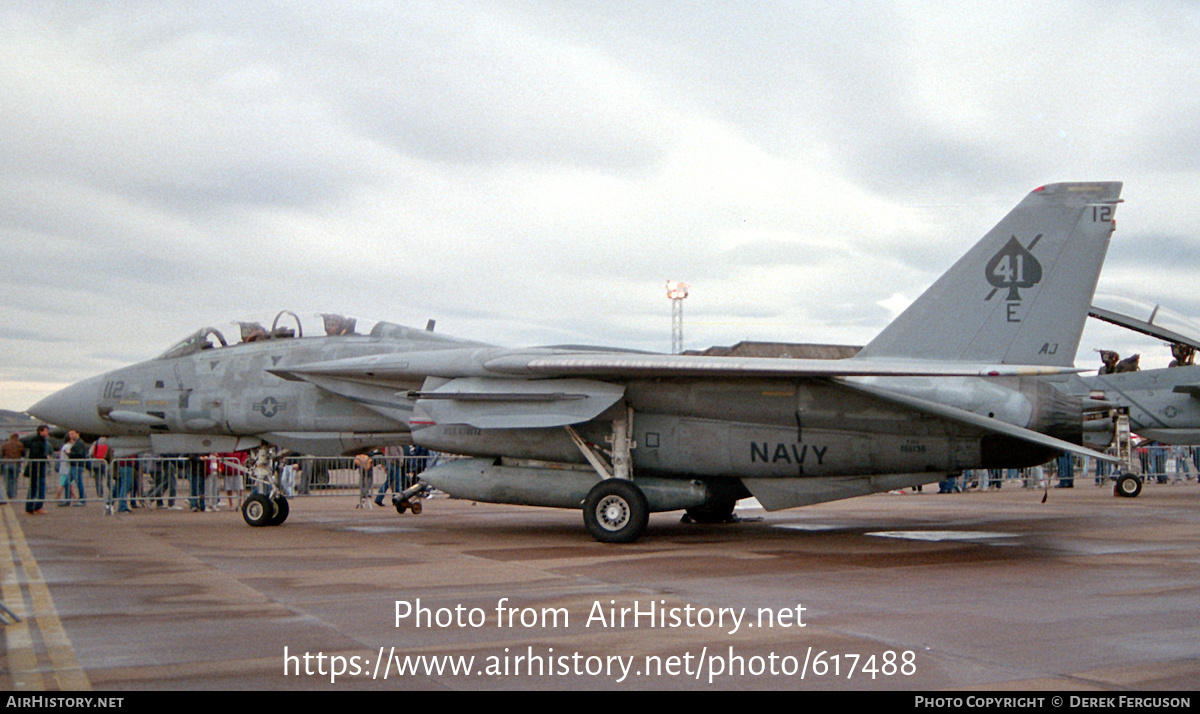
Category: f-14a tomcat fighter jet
[951,384]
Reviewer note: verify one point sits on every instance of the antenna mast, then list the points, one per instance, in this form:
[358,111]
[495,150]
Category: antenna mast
[677,292]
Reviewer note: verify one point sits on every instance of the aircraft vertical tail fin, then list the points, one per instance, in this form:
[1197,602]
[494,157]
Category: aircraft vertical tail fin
[1022,294]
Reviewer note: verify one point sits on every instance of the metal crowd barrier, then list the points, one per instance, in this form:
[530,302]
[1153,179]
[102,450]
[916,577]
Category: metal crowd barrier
[1155,464]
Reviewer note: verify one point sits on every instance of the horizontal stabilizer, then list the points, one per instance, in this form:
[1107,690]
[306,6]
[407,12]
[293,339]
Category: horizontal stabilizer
[972,419]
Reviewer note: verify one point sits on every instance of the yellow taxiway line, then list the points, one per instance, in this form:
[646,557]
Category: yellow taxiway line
[29,598]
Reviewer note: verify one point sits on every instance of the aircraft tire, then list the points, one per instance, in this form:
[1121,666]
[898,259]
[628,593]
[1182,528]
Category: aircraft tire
[714,510]
[401,505]
[616,511]
[1128,486]
[279,511]
[257,510]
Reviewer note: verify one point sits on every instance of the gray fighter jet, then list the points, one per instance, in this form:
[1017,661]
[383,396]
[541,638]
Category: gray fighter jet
[205,395]
[948,385]
[951,384]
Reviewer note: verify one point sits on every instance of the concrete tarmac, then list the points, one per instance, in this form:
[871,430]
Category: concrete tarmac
[915,591]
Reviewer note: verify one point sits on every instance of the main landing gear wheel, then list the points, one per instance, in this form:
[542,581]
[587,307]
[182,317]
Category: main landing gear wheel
[1128,486]
[616,511]
[714,510]
[257,510]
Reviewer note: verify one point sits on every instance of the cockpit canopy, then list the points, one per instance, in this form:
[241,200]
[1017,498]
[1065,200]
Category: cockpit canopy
[207,338]
[1152,315]
[195,342]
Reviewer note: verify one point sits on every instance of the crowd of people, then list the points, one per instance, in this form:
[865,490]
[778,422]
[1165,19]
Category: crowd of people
[211,482]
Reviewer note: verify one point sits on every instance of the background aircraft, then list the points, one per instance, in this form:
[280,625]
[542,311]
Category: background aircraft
[948,385]
[1164,404]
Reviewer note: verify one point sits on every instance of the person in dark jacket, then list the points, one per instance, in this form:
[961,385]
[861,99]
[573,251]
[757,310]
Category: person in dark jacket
[37,449]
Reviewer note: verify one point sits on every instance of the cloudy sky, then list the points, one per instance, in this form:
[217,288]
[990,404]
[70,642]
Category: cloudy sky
[534,172]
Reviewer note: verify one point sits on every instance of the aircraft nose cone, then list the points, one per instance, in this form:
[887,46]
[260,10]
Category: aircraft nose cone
[73,407]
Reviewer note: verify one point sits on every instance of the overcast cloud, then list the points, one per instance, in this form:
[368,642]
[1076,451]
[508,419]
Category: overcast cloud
[533,172]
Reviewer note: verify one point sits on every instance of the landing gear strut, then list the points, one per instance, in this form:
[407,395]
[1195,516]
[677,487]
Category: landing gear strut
[615,510]
[259,509]
[1128,485]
